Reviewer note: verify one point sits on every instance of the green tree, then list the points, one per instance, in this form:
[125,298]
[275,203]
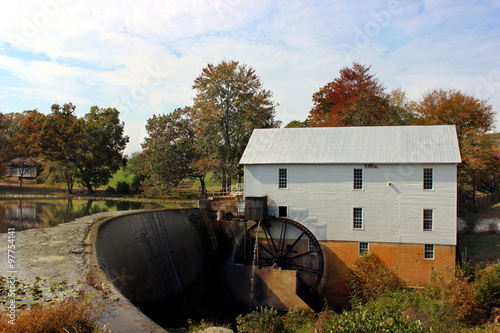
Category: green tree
[473,119]
[297,124]
[356,98]
[169,151]
[230,103]
[99,153]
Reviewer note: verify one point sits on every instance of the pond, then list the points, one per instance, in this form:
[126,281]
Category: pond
[25,214]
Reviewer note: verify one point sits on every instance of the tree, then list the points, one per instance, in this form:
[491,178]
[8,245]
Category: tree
[5,150]
[99,153]
[170,152]
[24,134]
[297,124]
[356,98]
[60,137]
[230,103]
[404,106]
[473,119]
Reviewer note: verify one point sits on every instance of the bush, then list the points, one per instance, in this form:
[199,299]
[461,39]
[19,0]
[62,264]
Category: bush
[71,315]
[488,286]
[110,190]
[374,320]
[122,187]
[370,278]
[453,287]
[135,186]
[263,320]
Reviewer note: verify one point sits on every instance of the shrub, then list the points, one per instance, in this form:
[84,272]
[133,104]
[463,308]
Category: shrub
[71,315]
[488,286]
[370,278]
[263,320]
[135,186]
[374,320]
[122,187]
[457,292]
[110,190]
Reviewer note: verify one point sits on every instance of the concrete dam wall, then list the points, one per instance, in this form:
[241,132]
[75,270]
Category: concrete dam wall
[165,262]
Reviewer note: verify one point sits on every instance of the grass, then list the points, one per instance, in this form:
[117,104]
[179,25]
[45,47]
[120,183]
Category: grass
[119,176]
[482,248]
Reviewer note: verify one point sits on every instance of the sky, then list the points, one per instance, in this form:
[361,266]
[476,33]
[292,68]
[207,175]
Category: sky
[142,57]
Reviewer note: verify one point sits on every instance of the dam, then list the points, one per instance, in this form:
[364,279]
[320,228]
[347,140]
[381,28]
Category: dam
[184,264]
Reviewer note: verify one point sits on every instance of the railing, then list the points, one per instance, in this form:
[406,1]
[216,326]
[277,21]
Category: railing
[233,191]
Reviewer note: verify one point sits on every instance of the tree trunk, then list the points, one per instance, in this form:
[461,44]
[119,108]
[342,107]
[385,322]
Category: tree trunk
[203,188]
[224,179]
[90,190]
[21,181]
[70,187]
[240,175]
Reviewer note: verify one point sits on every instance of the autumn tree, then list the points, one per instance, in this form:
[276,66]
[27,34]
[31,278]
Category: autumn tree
[473,119]
[60,137]
[4,142]
[170,151]
[356,98]
[24,135]
[230,103]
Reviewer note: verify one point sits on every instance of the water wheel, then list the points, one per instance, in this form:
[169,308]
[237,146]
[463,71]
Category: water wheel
[283,244]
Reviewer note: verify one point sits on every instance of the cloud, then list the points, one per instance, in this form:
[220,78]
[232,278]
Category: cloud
[142,57]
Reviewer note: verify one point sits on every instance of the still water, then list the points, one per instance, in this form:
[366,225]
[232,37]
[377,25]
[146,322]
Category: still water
[25,214]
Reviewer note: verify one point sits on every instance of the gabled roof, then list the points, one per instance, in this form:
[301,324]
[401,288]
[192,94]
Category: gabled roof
[353,145]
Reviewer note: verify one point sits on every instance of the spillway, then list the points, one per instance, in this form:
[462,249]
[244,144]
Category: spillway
[166,263]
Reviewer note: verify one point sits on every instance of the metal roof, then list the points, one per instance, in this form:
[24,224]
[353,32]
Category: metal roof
[352,145]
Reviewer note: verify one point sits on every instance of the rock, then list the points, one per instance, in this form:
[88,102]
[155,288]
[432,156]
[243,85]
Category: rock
[216,330]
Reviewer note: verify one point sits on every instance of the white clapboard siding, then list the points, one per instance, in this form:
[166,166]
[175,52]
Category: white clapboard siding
[391,213]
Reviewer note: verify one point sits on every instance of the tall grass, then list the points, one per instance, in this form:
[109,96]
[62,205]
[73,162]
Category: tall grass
[75,315]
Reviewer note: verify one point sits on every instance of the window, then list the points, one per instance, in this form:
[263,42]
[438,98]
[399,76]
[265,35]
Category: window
[282,211]
[428,219]
[282,178]
[363,248]
[428,181]
[429,251]
[358,179]
[357,218]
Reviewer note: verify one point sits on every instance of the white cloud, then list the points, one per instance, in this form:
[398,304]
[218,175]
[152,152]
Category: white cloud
[143,56]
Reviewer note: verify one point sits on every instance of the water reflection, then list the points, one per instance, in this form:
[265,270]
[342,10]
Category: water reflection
[25,214]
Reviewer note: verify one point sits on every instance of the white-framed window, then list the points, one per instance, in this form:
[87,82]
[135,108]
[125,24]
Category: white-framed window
[429,251]
[282,178]
[363,248]
[428,179]
[428,224]
[357,218]
[357,182]
[282,211]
